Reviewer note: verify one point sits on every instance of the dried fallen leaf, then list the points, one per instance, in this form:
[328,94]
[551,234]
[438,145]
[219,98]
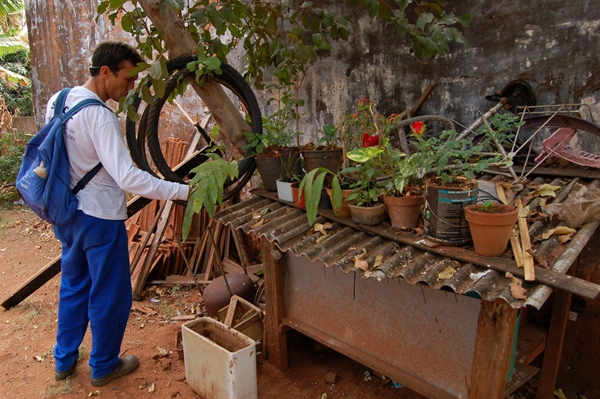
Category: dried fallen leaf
[378,260]
[257,225]
[516,287]
[319,227]
[561,230]
[95,393]
[152,388]
[447,273]
[361,264]
[565,238]
[321,239]
[546,190]
[559,394]
[40,358]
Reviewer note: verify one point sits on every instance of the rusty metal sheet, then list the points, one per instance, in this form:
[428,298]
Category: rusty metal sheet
[407,258]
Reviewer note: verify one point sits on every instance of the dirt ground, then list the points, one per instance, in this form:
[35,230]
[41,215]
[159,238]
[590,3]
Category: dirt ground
[27,334]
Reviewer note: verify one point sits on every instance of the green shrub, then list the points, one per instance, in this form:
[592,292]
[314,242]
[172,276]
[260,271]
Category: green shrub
[17,98]
[12,146]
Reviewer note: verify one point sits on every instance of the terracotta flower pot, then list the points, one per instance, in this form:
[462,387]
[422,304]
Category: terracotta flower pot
[491,230]
[369,215]
[344,210]
[404,211]
[299,201]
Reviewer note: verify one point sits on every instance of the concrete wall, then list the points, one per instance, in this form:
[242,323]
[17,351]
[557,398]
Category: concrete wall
[551,44]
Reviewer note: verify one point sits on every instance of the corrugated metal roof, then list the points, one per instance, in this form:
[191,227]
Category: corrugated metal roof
[387,258]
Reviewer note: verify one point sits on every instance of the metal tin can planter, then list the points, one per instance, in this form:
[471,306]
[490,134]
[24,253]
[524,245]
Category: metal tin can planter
[443,214]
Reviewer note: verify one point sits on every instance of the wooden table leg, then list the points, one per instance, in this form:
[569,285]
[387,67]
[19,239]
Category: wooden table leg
[276,338]
[555,341]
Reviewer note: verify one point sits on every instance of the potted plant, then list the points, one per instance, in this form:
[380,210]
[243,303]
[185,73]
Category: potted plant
[366,205]
[401,178]
[359,129]
[491,225]
[450,185]
[276,157]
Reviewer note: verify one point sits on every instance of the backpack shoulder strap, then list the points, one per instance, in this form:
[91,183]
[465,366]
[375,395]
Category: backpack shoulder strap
[59,104]
[82,104]
[62,96]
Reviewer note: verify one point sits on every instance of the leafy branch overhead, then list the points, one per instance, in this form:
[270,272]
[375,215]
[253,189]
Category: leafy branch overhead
[282,38]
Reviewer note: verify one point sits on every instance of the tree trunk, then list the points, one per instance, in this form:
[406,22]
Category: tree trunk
[179,43]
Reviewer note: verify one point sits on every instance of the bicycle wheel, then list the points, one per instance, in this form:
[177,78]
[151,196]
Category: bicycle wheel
[557,136]
[241,95]
[136,138]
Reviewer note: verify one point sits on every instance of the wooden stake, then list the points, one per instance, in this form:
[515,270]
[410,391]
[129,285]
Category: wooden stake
[526,241]
[516,247]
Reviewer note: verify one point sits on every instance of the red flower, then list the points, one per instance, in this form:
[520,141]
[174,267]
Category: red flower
[369,141]
[418,128]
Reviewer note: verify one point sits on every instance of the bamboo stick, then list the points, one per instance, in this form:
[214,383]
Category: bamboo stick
[526,241]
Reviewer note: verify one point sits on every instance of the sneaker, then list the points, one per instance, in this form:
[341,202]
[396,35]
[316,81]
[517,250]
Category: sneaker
[62,375]
[126,365]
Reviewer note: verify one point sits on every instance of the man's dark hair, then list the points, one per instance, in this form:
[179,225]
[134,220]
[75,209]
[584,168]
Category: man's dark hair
[112,54]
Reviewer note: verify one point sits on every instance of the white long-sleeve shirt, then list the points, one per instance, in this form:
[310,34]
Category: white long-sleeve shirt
[95,135]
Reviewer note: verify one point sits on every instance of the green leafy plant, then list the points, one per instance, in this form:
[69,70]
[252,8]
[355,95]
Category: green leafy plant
[311,186]
[12,147]
[280,38]
[486,206]
[329,138]
[449,157]
[397,173]
[367,189]
[206,187]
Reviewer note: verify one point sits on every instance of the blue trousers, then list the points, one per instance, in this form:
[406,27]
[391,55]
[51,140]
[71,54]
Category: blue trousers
[95,288]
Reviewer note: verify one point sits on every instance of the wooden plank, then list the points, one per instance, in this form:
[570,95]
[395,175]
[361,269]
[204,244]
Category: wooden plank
[493,346]
[140,282]
[531,343]
[516,247]
[32,284]
[53,267]
[526,243]
[555,342]
[522,374]
[231,311]
[240,245]
[276,339]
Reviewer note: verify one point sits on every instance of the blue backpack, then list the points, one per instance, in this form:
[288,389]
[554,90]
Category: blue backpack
[43,179]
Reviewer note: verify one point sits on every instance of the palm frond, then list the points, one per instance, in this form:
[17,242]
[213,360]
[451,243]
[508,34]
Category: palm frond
[13,79]
[12,44]
[10,6]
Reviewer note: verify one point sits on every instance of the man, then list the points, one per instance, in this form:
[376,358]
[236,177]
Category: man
[95,284]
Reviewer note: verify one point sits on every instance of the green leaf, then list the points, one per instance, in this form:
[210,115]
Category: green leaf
[159,87]
[465,20]
[156,70]
[131,114]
